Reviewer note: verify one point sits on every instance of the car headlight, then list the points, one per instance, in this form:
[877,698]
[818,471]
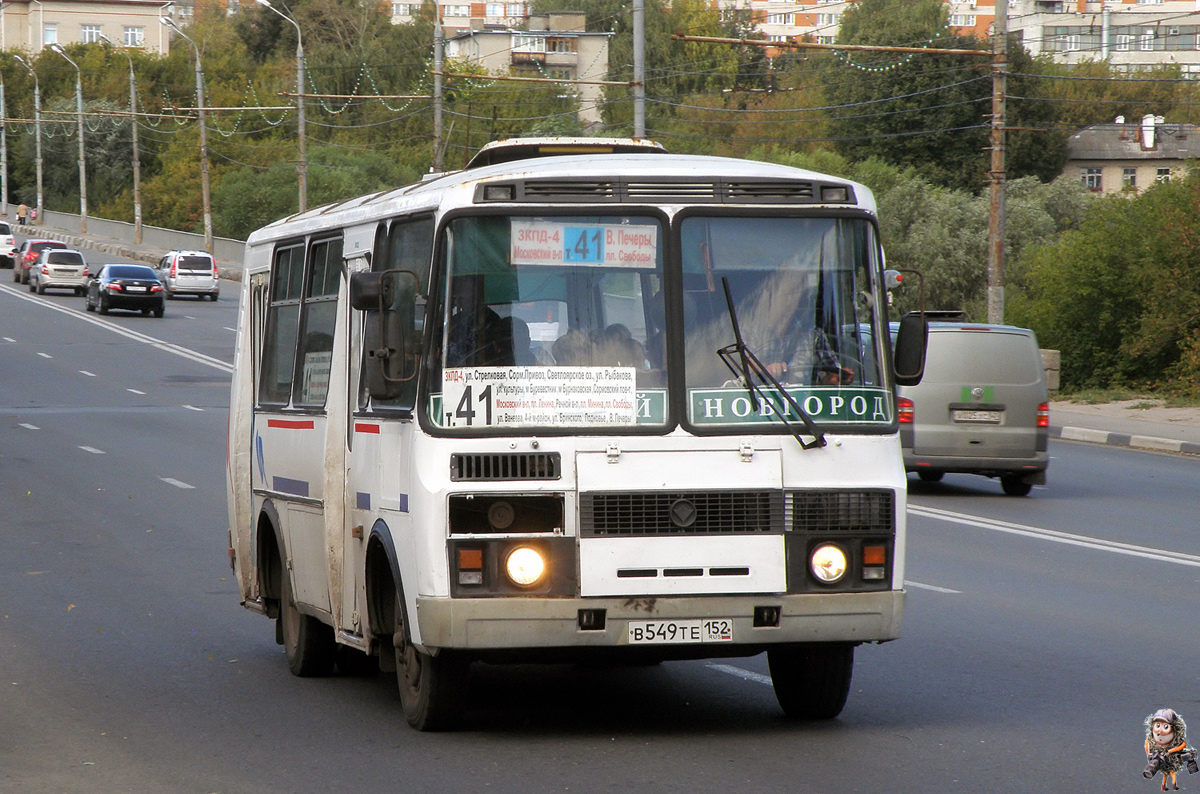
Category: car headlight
[525,566]
[828,563]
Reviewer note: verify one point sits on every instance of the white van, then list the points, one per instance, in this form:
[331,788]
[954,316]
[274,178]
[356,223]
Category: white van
[981,407]
[189,273]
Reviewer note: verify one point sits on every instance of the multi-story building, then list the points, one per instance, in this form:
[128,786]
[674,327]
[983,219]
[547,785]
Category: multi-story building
[30,25]
[554,46]
[1117,157]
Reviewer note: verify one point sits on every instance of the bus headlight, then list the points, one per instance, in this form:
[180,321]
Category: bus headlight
[827,563]
[525,566]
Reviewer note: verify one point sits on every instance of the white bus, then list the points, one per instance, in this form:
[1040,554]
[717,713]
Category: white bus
[582,400]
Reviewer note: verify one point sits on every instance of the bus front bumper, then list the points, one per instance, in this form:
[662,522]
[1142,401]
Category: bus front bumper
[520,623]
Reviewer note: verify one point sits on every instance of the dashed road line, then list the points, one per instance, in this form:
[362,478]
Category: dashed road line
[45,355]
[933,587]
[135,391]
[89,374]
[28,426]
[92,450]
[193,408]
[738,672]
[177,483]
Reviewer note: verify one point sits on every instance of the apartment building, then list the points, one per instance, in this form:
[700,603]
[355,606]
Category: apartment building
[30,25]
[553,45]
[1121,157]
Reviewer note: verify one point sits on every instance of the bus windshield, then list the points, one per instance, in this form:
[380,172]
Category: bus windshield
[551,321]
[806,303]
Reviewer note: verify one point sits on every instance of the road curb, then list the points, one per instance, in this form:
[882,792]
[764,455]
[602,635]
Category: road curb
[1154,444]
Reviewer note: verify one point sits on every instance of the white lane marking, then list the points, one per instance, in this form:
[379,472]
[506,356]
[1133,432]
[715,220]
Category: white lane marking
[1128,549]
[738,672]
[227,328]
[89,374]
[168,347]
[177,483]
[9,339]
[45,355]
[933,587]
[194,408]
[135,391]
[93,450]
[28,426]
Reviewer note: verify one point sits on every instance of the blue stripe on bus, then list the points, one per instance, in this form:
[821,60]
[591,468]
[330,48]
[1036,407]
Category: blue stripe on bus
[288,485]
[362,500]
[403,503]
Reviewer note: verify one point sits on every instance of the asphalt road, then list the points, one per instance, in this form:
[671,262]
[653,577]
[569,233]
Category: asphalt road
[1040,631]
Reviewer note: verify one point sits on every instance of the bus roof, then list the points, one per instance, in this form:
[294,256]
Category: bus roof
[595,178]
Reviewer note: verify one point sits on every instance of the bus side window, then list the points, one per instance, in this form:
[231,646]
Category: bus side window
[283,318]
[317,320]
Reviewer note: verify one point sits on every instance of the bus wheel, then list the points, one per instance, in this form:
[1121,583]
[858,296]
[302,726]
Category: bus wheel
[812,681]
[308,642]
[433,689]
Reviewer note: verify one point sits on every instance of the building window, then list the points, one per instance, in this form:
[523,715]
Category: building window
[560,45]
[826,20]
[404,9]
[781,19]
[1129,178]
[1124,42]
[50,34]
[456,11]
[1091,178]
[1072,42]
[133,37]
[526,43]
[1147,40]
[826,39]
[89,34]
[495,9]
[962,20]
[1162,175]
[516,10]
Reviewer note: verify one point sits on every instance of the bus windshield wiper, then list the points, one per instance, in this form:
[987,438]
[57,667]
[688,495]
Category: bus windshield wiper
[742,362]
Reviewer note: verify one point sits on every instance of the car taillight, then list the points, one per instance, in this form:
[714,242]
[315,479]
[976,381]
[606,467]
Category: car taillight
[85,272]
[174,269]
[156,288]
[1043,415]
[114,286]
[45,270]
[904,410]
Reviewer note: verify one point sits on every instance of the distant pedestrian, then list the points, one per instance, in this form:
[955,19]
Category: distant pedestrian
[22,214]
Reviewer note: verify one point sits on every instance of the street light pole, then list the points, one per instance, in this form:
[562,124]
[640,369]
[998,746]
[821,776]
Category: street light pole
[82,156]
[204,189]
[37,132]
[133,126]
[302,165]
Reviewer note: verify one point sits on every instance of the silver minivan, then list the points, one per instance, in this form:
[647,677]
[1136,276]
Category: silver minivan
[981,407]
[189,273]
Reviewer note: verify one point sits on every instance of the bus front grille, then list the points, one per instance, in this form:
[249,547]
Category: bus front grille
[505,466]
[680,513]
[843,511]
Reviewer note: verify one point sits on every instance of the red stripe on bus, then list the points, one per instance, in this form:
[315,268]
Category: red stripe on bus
[361,428]
[292,424]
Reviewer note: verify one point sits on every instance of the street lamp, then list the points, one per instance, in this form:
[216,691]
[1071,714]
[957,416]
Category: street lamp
[302,165]
[37,131]
[133,126]
[56,47]
[204,191]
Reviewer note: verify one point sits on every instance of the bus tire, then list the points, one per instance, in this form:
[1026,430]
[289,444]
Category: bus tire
[811,681]
[1015,485]
[433,689]
[307,642]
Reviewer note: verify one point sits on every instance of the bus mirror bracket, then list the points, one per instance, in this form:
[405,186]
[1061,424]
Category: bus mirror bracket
[391,335]
[908,362]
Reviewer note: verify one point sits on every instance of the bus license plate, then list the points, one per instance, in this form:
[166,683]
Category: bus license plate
[992,417]
[658,632]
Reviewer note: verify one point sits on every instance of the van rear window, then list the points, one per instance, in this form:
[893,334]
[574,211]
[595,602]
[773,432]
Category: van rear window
[983,357]
[64,258]
[194,263]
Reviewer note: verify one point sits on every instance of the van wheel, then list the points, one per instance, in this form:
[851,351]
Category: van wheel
[1015,486]
[811,681]
[308,643]
[931,476]
[433,689]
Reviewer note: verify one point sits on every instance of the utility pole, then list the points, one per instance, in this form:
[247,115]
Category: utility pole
[995,290]
[437,89]
[639,68]
[3,153]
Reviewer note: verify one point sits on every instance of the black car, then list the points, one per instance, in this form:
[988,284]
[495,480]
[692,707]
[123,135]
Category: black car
[125,287]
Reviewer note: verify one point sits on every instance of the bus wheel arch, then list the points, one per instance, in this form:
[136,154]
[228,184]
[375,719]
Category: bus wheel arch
[269,557]
[432,687]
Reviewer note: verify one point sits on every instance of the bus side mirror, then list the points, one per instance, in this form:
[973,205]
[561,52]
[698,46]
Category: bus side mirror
[391,335]
[911,340]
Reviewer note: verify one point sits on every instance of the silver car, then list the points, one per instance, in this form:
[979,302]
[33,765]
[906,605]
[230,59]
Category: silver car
[8,245]
[981,408]
[59,268]
[189,273]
